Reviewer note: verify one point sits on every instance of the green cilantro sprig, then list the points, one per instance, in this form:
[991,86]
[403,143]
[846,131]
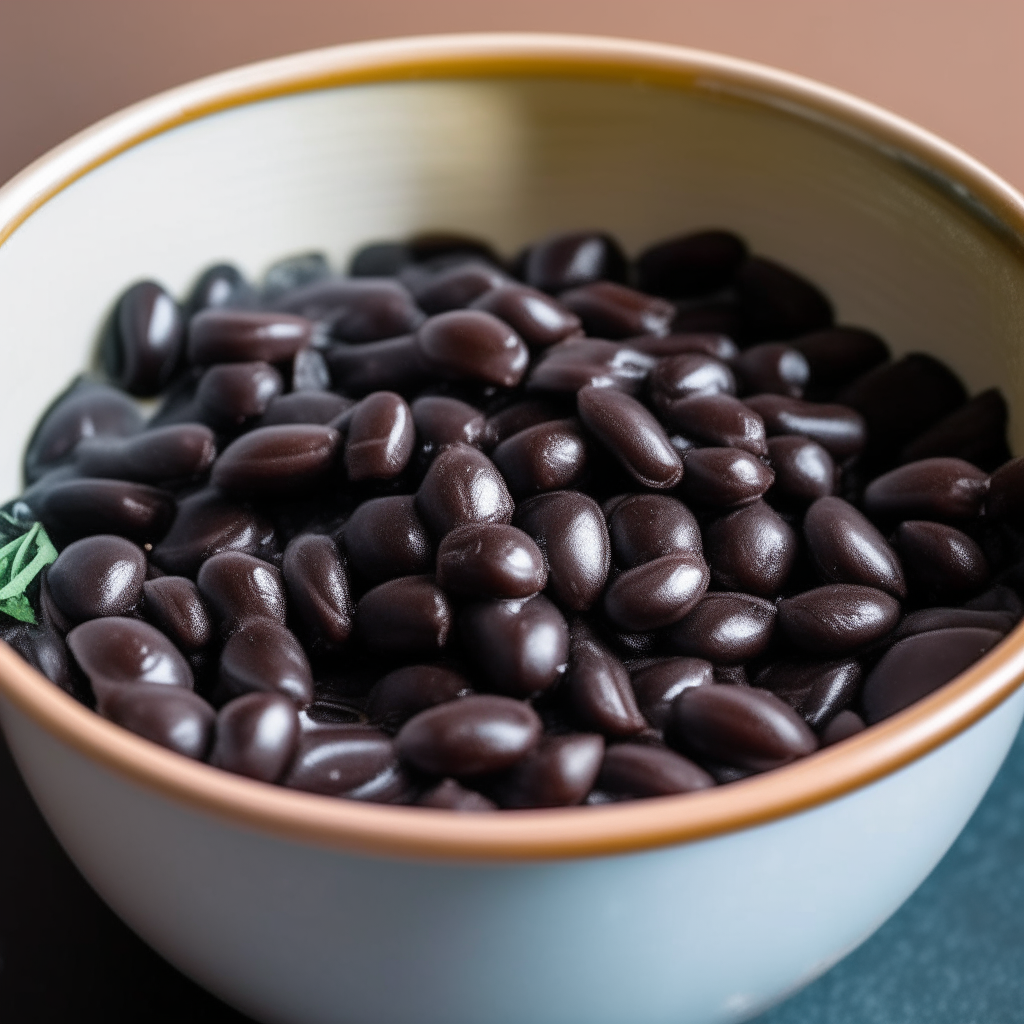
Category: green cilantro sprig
[21,561]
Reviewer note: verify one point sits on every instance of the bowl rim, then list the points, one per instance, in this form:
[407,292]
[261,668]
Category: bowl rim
[557,833]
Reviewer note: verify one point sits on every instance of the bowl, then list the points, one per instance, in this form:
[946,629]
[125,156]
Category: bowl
[701,908]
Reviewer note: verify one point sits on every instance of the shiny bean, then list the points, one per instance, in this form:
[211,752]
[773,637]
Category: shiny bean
[657,593]
[570,530]
[578,362]
[408,616]
[305,407]
[516,417]
[392,365]
[599,689]
[440,421]
[572,259]
[847,548]
[804,470]
[78,508]
[840,354]
[470,345]
[547,457]
[222,286]
[243,336]
[43,647]
[448,795]
[646,526]
[842,727]
[490,560]
[716,346]
[691,373]
[724,628]
[434,246]
[141,345]
[174,605]
[688,265]
[610,310]
[269,459]
[751,549]
[536,318]
[776,303]
[773,368]
[407,691]
[237,586]
[633,770]
[256,736]
[719,420]
[97,576]
[724,477]
[519,647]
[632,434]
[340,761]
[919,665]
[462,486]
[367,310]
[560,772]
[175,718]
[837,618]
[469,737]
[943,563]
[816,690]
[162,455]
[385,538]
[318,591]
[457,286]
[657,686]
[976,433]
[232,394]
[838,429]
[380,437]
[739,726]
[263,656]
[943,489]
[926,620]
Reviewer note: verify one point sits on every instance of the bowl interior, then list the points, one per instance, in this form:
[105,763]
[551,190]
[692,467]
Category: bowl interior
[899,248]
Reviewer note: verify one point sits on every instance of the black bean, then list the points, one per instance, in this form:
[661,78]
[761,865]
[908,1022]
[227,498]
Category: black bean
[917,666]
[776,303]
[490,560]
[546,457]
[837,428]
[999,598]
[976,432]
[256,735]
[408,616]
[926,620]
[751,549]
[847,548]
[837,618]
[519,647]
[318,591]
[237,586]
[688,265]
[609,310]
[840,354]
[243,336]
[380,437]
[942,489]
[577,362]
[739,726]
[395,364]
[340,761]
[716,346]
[560,772]
[141,345]
[457,286]
[536,318]
[293,272]
[407,691]
[717,420]
[804,470]
[573,259]
[263,656]
[842,727]
[232,394]
[44,649]
[725,628]
[634,770]
[690,373]
[175,718]
[815,690]
[942,562]
[97,576]
[222,286]
[516,417]
[462,486]
[174,605]
[772,368]
[657,593]
[385,538]
[1005,500]
[357,311]
[164,455]
[305,407]
[724,477]
[267,459]
[657,686]
[599,689]
[440,421]
[646,526]
[77,508]
[470,345]
[450,796]
[439,246]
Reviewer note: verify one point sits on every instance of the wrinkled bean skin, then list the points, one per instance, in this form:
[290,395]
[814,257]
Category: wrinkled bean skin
[658,685]
[490,560]
[841,431]
[546,457]
[657,593]
[847,548]
[599,688]
[318,591]
[395,364]
[404,616]
[739,726]
[85,410]
[340,760]
[207,524]
[462,486]
[115,652]
[468,344]
[632,434]
[174,605]
[385,538]
[456,287]
[305,407]
[942,489]
[175,718]
[516,417]
[690,373]
[269,459]
[942,562]
[142,342]
[751,549]
[569,528]
[804,470]
[632,770]
[573,259]
[380,437]
[407,691]
[263,656]
[440,421]
[689,265]
[837,618]
[724,477]
[448,795]
[724,628]
[976,433]
[78,508]
[643,527]
[560,772]
[609,310]
[534,316]
[165,454]
[777,304]
[242,336]
[773,368]
[719,420]
[256,736]
[1005,500]
[520,647]
[469,737]
[917,666]
[357,311]
[221,286]
[230,394]
[842,727]
[840,354]
[237,587]
[578,362]
[816,690]
[96,577]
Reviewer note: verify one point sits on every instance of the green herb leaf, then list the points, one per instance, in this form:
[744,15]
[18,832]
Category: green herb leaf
[22,559]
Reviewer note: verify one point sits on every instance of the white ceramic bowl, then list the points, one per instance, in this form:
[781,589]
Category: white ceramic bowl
[699,908]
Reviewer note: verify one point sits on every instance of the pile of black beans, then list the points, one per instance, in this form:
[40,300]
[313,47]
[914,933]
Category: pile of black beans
[474,534]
